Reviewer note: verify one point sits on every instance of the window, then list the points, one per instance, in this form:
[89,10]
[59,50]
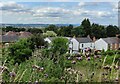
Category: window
[82,45]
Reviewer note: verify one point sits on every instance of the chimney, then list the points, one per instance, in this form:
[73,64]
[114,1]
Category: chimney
[118,41]
[88,36]
[94,39]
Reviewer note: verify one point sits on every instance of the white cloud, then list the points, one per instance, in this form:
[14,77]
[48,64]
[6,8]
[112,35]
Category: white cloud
[13,7]
[50,12]
[114,6]
[81,4]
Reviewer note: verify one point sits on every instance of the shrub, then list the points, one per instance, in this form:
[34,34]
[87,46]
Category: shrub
[20,51]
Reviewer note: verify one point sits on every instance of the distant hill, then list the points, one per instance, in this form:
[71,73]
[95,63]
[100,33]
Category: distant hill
[34,25]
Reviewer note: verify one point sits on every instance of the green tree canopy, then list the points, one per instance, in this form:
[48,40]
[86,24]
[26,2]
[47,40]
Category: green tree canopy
[98,31]
[51,28]
[50,34]
[78,31]
[35,30]
[37,41]
[60,44]
[20,51]
[87,26]
[112,30]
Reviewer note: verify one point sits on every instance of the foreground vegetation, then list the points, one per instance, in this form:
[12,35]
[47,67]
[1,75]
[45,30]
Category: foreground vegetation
[54,64]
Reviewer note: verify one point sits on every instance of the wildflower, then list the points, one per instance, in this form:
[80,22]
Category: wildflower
[46,75]
[106,67]
[12,74]
[95,56]
[116,67]
[88,58]
[69,58]
[70,72]
[1,68]
[36,82]
[68,69]
[93,73]
[62,77]
[75,72]
[98,56]
[79,58]
[35,66]
[116,79]
[41,68]
[73,62]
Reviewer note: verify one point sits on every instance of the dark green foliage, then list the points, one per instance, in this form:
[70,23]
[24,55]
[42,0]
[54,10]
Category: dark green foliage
[20,51]
[78,31]
[112,30]
[59,44]
[10,28]
[65,31]
[35,31]
[37,41]
[98,31]
[51,28]
[87,26]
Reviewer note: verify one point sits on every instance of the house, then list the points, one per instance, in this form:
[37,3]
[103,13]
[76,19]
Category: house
[11,33]
[11,37]
[24,34]
[112,43]
[79,44]
[49,39]
[6,40]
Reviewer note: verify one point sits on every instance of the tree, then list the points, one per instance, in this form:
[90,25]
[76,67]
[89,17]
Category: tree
[112,30]
[20,51]
[58,48]
[49,34]
[35,30]
[87,26]
[11,28]
[98,31]
[60,44]
[37,41]
[51,28]
[65,30]
[78,31]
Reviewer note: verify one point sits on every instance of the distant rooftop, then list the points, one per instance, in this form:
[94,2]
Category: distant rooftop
[111,40]
[7,38]
[84,39]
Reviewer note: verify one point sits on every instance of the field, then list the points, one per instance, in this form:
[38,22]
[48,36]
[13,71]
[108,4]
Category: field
[75,68]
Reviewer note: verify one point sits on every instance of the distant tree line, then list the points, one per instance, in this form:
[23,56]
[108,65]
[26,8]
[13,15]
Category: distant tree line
[85,29]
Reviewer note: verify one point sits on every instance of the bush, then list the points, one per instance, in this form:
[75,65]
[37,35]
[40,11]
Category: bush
[20,51]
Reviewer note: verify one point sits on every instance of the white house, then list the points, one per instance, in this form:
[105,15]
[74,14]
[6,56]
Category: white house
[49,39]
[81,43]
[107,43]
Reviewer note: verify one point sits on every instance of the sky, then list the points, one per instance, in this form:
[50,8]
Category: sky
[58,12]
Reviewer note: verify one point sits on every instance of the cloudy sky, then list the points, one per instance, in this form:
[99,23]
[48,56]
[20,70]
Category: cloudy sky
[58,12]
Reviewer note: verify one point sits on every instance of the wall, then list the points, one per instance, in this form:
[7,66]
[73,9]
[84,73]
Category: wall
[48,40]
[101,44]
[75,44]
[86,45]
